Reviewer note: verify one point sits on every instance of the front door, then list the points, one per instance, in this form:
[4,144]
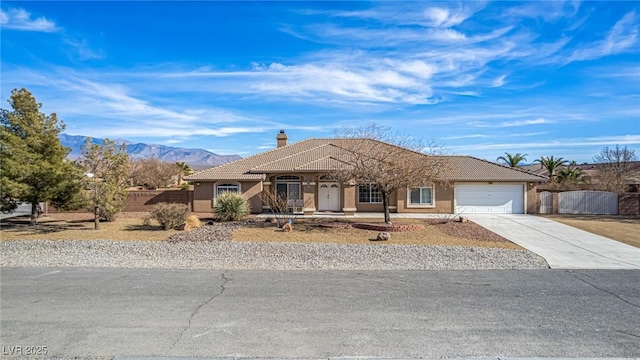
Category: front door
[329,197]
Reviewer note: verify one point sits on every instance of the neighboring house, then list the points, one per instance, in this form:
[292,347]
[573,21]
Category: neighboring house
[301,170]
[590,175]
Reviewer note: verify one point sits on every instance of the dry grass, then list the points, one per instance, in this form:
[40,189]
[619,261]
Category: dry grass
[310,231]
[129,227]
[620,228]
[80,227]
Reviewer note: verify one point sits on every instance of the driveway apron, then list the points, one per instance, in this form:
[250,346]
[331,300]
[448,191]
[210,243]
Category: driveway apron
[563,246]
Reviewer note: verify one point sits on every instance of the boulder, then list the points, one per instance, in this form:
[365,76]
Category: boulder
[383,236]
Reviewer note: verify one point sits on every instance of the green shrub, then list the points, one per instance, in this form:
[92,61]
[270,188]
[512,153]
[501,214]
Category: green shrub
[231,207]
[169,216]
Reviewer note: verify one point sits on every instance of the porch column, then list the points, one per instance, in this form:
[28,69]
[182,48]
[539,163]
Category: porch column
[309,196]
[349,199]
[266,187]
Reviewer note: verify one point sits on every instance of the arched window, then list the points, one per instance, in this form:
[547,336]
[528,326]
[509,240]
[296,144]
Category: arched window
[287,178]
[326,178]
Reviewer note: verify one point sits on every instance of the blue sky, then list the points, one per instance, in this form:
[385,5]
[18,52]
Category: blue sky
[478,78]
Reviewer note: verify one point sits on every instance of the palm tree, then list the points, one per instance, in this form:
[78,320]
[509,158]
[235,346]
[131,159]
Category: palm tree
[570,175]
[551,164]
[183,170]
[512,160]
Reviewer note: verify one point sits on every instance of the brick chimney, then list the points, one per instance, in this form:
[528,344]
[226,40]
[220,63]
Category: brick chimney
[282,139]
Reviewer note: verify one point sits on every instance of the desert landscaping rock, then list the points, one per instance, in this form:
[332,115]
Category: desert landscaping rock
[210,247]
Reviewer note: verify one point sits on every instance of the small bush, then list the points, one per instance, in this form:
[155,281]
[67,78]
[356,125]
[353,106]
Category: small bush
[193,222]
[231,207]
[169,216]
[109,214]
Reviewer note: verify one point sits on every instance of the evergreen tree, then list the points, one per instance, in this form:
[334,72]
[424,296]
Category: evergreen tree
[108,168]
[32,160]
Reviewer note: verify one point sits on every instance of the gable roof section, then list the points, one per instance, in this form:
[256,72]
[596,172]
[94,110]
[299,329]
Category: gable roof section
[318,155]
[468,168]
[241,169]
[324,157]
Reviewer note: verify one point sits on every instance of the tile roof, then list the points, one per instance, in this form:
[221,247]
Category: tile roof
[468,168]
[317,155]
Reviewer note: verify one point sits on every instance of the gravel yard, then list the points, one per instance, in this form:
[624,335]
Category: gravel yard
[210,247]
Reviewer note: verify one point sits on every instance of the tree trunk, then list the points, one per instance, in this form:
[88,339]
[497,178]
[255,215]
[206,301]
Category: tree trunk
[34,213]
[385,205]
[96,219]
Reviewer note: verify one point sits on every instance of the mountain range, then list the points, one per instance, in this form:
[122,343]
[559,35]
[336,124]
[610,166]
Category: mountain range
[195,158]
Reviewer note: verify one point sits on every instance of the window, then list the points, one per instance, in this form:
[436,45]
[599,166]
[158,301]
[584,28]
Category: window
[369,194]
[287,177]
[232,188]
[421,196]
[288,186]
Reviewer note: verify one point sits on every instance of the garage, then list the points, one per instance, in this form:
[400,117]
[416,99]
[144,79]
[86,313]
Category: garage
[489,199]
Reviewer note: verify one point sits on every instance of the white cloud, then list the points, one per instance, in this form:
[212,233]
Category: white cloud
[82,51]
[20,19]
[442,17]
[528,134]
[386,81]
[499,81]
[505,124]
[550,11]
[622,37]
[539,121]
[472,136]
[568,142]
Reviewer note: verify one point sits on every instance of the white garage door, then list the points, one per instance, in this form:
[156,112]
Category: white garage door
[489,199]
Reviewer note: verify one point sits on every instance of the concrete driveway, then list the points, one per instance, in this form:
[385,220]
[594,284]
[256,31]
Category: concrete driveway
[563,246]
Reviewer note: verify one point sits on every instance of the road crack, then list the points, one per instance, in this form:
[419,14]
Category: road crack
[627,333]
[225,280]
[576,273]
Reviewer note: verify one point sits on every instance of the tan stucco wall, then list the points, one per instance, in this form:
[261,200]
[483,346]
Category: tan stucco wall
[533,200]
[348,198]
[443,196]
[202,196]
[252,191]
[309,197]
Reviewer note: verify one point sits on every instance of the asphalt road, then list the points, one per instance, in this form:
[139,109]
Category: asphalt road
[22,210]
[320,314]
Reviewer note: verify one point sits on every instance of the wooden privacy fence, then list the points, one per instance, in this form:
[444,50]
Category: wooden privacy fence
[587,202]
[144,200]
[629,204]
[546,202]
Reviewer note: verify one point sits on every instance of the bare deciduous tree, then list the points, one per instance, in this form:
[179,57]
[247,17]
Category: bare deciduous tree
[283,209]
[153,173]
[387,162]
[614,167]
